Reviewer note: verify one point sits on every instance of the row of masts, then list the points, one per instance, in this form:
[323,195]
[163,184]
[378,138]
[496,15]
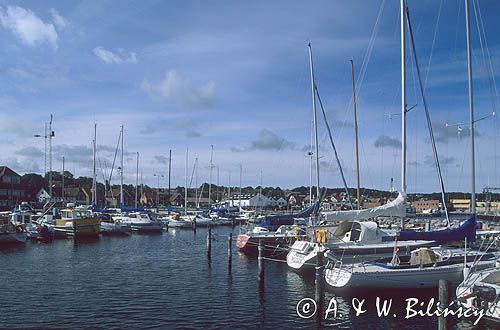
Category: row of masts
[404,111]
[314,138]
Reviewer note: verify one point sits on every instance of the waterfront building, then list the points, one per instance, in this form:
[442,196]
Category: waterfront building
[12,191]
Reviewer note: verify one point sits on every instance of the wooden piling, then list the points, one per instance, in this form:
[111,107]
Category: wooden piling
[230,249]
[319,294]
[443,302]
[193,225]
[209,242]
[261,260]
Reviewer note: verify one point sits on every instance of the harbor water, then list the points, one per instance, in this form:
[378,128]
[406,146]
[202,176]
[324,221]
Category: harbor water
[167,281]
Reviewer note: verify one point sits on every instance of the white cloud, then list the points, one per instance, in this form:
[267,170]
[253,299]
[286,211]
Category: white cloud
[27,26]
[58,20]
[180,90]
[110,57]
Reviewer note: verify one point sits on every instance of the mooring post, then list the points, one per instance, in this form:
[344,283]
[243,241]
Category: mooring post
[319,279]
[193,224]
[230,249]
[443,302]
[209,242]
[261,260]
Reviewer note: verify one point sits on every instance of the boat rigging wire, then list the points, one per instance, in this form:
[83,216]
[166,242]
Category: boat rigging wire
[427,115]
[333,146]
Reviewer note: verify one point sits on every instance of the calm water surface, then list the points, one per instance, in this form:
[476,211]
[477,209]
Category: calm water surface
[166,281]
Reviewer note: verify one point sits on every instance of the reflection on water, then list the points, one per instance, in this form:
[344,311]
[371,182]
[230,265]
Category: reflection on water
[166,281]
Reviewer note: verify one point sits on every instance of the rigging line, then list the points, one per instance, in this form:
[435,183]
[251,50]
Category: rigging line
[114,159]
[488,54]
[490,85]
[333,145]
[368,53]
[433,43]
[427,115]
[102,172]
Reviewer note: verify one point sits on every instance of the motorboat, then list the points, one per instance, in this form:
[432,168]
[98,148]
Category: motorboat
[77,223]
[141,222]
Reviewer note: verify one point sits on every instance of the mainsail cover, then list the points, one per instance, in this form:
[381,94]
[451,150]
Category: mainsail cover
[466,230]
[395,208]
[272,222]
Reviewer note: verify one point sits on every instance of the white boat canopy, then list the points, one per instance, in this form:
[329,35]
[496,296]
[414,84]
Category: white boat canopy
[395,208]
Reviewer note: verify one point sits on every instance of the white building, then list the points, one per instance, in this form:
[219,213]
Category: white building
[42,196]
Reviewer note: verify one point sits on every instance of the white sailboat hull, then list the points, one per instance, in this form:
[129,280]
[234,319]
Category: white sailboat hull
[373,276]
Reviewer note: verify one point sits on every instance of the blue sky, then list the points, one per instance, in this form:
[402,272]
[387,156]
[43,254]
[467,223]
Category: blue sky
[190,74]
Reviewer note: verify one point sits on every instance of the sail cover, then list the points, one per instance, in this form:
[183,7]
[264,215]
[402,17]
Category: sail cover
[395,208]
[272,222]
[466,230]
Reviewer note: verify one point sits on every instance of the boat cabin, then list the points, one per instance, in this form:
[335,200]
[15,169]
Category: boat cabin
[357,232]
[70,214]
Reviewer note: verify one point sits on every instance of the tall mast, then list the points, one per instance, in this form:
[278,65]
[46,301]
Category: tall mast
[45,151]
[358,196]
[260,192]
[229,191]
[62,190]
[94,184]
[241,173]
[471,110]
[311,154]
[196,181]
[315,121]
[210,174]
[121,174]
[136,179]
[403,102]
[218,183]
[169,173]
[51,134]
[186,184]
[142,190]
[403,97]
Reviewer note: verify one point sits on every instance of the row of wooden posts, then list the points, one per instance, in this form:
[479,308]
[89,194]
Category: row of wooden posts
[319,269]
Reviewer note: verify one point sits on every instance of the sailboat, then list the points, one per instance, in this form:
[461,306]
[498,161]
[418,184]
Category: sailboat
[425,266]
[110,226]
[352,240]
[185,220]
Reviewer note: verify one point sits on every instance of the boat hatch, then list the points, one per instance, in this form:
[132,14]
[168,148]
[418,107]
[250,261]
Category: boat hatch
[424,256]
[303,247]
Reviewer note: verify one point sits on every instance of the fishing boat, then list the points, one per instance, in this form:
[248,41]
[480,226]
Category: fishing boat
[480,291]
[423,268]
[77,223]
[10,233]
[23,215]
[141,222]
